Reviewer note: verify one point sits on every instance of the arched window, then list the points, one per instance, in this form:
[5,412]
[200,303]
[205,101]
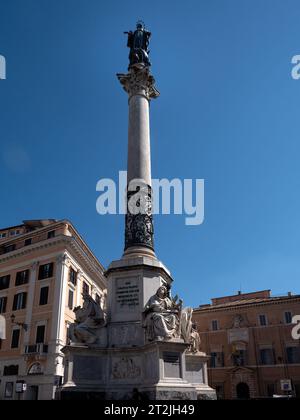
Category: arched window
[35,369]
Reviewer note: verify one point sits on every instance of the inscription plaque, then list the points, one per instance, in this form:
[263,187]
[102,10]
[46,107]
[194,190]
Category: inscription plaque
[172,368]
[88,367]
[238,334]
[127,294]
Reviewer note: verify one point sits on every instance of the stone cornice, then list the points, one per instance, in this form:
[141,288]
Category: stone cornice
[91,263]
[72,244]
[256,367]
[159,270]
[249,327]
[53,226]
[233,308]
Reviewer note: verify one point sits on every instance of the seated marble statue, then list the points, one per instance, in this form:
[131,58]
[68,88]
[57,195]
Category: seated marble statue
[161,316]
[89,319]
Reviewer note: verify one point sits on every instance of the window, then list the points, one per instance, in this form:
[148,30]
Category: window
[85,288]
[2,235]
[293,354]
[15,339]
[98,299]
[215,325]
[239,357]
[3,302]
[4,282]
[9,390]
[11,370]
[267,356]
[44,295]
[22,277]
[19,301]
[213,359]
[40,334]
[263,320]
[28,241]
[45,271]
[288,317]
[73,277]
[217,359]
[51,234]
[70,300]
[219,391]
[9,248]
[14,232]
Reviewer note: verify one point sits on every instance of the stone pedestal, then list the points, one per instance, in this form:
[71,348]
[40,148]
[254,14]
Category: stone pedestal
[157,371]
[123,362]
[131,282]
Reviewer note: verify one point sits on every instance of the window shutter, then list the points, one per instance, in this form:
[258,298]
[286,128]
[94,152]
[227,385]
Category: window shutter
[15,303]
[70,302]
[15,339]
[40,334]
[44,295]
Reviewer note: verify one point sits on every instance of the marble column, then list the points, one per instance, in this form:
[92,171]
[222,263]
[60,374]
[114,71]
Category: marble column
[60,293]
[139,84]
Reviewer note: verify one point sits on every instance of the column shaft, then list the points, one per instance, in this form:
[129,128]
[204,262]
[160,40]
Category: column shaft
[139,159]
[139,84]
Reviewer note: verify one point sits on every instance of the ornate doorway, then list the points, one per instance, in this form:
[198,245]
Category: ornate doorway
[242,391]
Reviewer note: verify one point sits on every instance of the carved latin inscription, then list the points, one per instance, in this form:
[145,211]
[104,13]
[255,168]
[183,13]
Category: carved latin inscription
[127,294]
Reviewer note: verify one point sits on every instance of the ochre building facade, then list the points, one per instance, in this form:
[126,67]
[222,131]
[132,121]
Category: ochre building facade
[250,343]
[45,266]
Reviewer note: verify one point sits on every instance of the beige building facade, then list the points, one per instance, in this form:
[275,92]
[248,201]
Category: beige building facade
[250,343]
[45,266]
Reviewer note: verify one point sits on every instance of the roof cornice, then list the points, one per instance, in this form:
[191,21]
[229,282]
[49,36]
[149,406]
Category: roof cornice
[232,308]
[72,244]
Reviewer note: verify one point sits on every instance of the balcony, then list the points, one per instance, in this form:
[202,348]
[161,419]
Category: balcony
[36,350]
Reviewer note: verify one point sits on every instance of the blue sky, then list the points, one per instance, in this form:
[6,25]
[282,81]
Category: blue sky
[228,113]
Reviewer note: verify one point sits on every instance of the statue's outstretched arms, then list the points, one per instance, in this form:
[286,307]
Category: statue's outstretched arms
[148,36]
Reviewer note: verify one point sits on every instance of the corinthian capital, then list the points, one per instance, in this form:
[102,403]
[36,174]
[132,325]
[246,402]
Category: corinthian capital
[63,260]
[139,81]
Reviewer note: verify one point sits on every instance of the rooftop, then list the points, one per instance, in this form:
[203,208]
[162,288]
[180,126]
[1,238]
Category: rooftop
[32,224]
[243,299]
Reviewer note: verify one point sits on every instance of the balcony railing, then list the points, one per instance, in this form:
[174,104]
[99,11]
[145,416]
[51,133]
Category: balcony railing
[36,349]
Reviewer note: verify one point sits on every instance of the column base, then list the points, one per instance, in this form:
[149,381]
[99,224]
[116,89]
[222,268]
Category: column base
[138,251]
